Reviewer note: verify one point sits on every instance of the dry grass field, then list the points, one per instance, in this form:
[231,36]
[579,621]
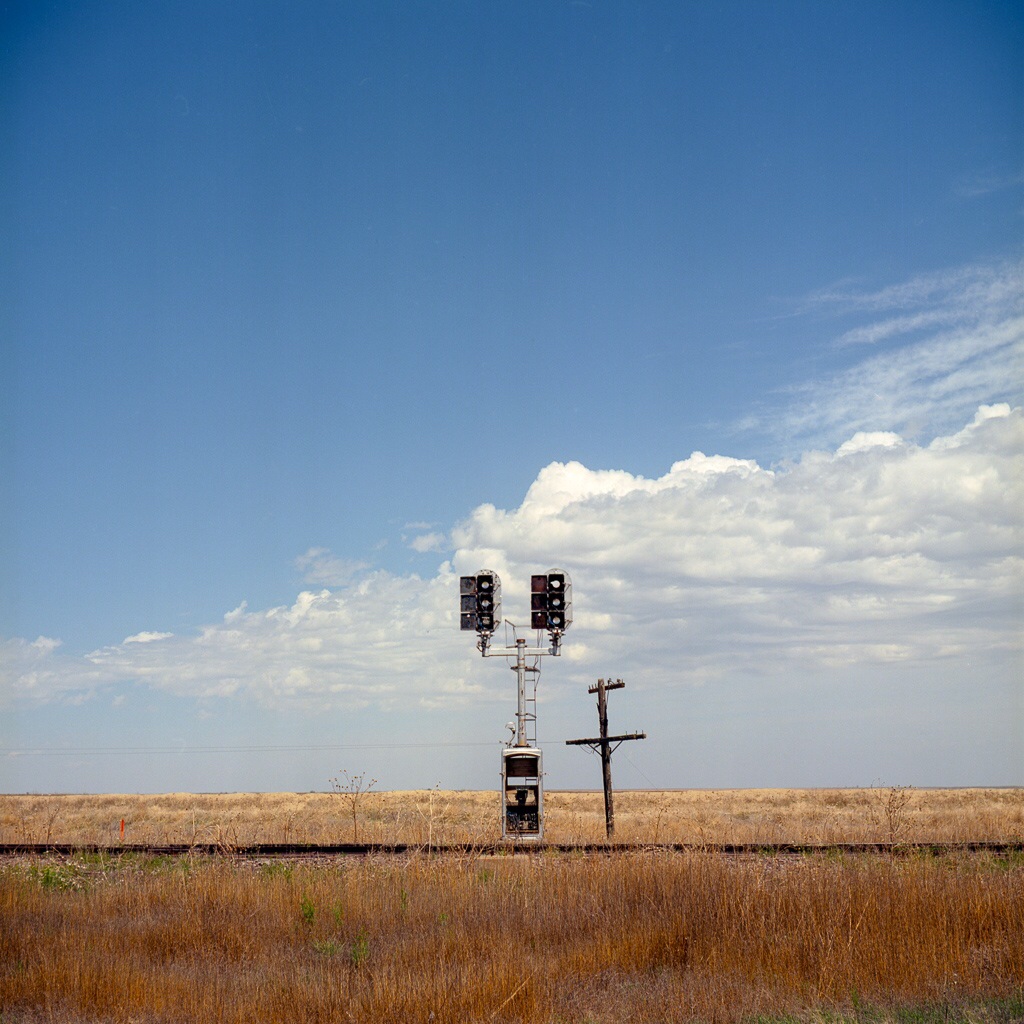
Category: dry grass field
[545,938]
[879,814]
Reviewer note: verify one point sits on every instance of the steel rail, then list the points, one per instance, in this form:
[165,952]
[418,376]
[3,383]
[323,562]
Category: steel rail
[256,851]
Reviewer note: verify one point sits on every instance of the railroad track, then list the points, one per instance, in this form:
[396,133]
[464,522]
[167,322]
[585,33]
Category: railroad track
[305,851]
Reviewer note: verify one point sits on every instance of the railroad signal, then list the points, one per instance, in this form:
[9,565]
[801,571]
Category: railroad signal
[522,782]
[551,600]
[480,601]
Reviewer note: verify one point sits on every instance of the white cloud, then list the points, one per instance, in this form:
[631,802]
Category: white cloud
[384,640]
[320,568]
[863,440]
[826,561]
[985,184]
[975,291]
[881,552]
[32,671]
[948,343]
[428,542]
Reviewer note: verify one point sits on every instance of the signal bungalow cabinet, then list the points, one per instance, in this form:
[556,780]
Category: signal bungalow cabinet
[522,813]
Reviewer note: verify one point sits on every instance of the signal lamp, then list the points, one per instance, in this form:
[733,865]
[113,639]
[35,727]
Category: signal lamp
[480,601]
[551,600]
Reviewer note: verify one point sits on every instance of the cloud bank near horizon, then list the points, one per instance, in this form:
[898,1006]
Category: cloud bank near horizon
[879,552]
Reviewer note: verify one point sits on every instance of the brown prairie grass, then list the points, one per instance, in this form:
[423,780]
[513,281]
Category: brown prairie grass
[545,938]
[429,817]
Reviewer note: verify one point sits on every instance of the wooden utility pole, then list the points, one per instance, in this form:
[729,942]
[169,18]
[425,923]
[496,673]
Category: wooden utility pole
[604,745]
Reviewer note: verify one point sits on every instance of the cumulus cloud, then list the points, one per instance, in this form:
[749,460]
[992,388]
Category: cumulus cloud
[385,640]
[426,542]
[880,551]
[146,637]
[36,671]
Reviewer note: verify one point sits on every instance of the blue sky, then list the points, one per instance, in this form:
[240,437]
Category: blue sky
[307,309]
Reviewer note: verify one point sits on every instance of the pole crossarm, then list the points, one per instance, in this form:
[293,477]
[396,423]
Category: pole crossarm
[511,652]
[598,740]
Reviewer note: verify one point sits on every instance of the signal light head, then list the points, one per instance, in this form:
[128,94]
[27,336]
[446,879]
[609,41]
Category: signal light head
[480,601]
[551,600]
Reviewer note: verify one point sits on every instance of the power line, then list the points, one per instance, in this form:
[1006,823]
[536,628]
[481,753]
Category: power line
[252,749]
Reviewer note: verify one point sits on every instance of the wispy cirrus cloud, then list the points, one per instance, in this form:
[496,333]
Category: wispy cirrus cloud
[977,291]
[945,343]
[319,567]
[986,184]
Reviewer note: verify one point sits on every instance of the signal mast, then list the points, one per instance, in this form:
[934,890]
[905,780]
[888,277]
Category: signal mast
[522,765]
